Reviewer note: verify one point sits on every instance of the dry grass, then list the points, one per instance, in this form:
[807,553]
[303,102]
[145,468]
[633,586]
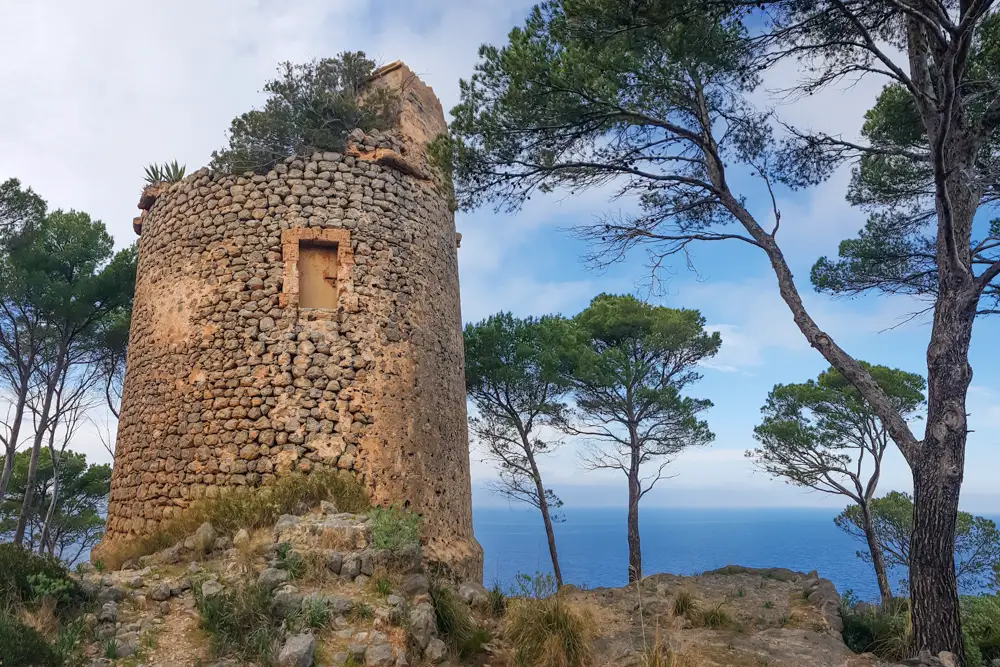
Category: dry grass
[549,632]
[43,617]
[685,604]
[242,508]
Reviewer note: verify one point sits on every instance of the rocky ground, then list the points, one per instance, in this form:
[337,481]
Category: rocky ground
[381,615]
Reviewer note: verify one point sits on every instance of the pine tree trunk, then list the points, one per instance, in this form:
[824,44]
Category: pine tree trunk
[543,505]
[938,470]
[43,423]
[15,433]
[634,548]
[878,560]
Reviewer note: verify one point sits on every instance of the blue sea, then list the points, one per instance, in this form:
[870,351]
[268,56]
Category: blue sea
[593,548]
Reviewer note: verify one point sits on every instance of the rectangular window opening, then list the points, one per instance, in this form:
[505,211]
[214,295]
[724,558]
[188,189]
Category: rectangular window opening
[317,275]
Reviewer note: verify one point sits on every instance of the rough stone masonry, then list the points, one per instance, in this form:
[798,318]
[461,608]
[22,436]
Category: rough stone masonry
[300,319]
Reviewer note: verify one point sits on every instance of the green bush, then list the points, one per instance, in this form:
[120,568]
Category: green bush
[310,107]
[241,623]
[884,632]
[393,529]
[25,576]
[22,646]
[981,628]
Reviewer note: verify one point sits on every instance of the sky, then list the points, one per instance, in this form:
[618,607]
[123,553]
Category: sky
[93,92]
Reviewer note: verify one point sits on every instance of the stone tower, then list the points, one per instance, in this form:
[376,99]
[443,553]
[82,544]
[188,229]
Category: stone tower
[300,319]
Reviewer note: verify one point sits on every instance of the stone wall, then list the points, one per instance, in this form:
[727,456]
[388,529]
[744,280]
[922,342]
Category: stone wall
[229,382]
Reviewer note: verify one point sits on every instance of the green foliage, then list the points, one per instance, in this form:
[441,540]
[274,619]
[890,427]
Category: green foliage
[245,508]
[22,646]
[977,540]
[167,172]
[21,209]
[981,629]
[316,613]
[310,107]
[515,376]
[882,632]
[548,631]
[25,576]
[393,528]
[60,589]
[535,587]
[290,561]
[241,622]
[78,522]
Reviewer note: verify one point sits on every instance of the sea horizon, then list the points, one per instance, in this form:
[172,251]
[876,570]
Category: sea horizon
[593,548]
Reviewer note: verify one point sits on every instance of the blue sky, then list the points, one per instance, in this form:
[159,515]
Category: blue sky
[94,92]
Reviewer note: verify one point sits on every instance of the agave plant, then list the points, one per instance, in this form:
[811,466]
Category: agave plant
[168,172]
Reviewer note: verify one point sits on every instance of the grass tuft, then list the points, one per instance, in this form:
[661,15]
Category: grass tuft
[498,600]
[239,508]
[240,622]
[455,623]
[716,618]
[548,631]
[685,603]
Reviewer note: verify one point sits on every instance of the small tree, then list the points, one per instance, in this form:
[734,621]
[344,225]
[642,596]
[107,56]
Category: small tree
[310,107]
[977,540]
[823,435]
[68,276]
[628,372]
[512,378]
[76,524]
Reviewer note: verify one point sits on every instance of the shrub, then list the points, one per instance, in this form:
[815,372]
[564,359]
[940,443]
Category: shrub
[884,632]
[549,632]
[22,646]
[981,628]
[685,603]
[310,107]
[241,622]
[361,611]
[25,576]
[243,508]
[393,529]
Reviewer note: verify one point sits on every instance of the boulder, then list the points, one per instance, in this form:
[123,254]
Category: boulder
[287,601]
[333,560]
[111,594]
[241,539]
[436,651]
[108,613]
[160,592]
[285,522]
[203,540]
[297,651]
[210,589]
[474,594]
[422,624]
[414,585]
[379,655]
[351,567]
[272,577]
